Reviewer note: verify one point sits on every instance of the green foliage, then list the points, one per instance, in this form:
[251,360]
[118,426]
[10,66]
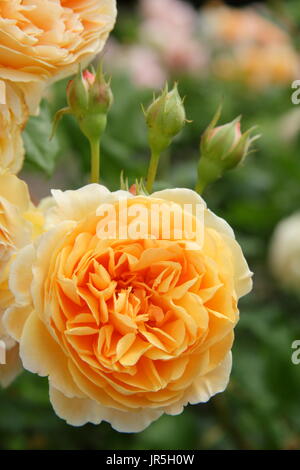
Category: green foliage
[40,152]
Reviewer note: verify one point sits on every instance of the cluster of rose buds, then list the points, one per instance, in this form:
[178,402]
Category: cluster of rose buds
[89,99]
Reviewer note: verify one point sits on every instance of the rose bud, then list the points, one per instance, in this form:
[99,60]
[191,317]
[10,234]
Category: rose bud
[90,98]
[78,93]
[222,148]
[100,94]
[165,118]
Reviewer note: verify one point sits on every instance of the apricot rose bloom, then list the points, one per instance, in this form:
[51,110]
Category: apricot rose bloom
[19,222]
[44,40]
[126,329]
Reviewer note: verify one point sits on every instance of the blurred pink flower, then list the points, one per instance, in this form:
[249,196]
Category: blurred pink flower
[145,67]
[187,56]
[170,26]
[140,62]
[175,13]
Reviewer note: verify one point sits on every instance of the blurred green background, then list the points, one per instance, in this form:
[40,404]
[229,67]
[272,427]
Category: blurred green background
[260,408]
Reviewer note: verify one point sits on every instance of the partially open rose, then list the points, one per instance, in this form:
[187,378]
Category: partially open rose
[44,40]
[127,328]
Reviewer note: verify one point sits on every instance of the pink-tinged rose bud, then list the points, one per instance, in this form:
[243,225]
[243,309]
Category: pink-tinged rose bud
[89,99]
[89,77]
[100,94]
[89,93]
[77,95]
[231,133]
[222,148]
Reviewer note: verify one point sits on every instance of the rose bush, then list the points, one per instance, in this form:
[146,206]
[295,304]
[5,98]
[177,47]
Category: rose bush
[126,330]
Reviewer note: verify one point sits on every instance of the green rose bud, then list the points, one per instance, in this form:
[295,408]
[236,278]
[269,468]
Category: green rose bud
[90,98]
[165,118]
[222,148]
[78,93]
[100,94]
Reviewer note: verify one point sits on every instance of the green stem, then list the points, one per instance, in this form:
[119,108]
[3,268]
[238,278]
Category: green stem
[209,171]
[95,160]
[202,182]
[152,171]
[164,165]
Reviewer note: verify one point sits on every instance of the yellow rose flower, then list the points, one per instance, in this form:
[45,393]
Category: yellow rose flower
[44,40]
[13,115]
[17,219]
[127,329]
